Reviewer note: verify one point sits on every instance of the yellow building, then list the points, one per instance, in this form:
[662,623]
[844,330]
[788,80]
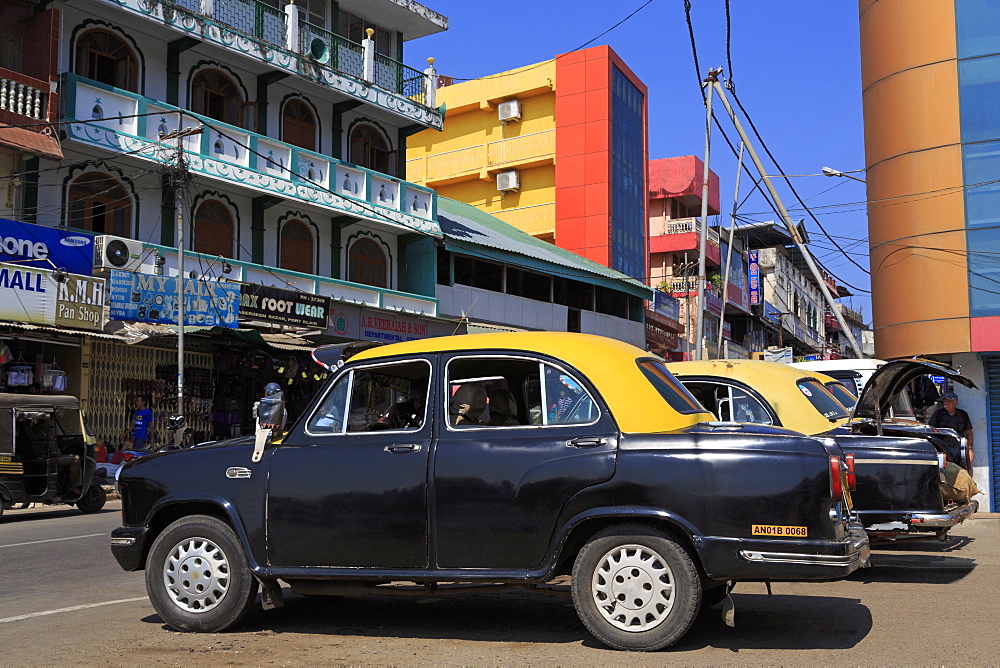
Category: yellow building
[478,143]
[558,149]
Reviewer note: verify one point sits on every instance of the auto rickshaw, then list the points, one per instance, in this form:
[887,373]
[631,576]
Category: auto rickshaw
[46,454]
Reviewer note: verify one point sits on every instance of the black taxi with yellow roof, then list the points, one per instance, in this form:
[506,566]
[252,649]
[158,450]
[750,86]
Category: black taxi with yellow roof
[480,459]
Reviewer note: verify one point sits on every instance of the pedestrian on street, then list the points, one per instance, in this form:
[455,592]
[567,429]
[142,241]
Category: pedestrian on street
[141,421]
[951,416]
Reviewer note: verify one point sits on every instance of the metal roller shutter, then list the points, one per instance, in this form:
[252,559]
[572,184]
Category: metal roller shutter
[992,363]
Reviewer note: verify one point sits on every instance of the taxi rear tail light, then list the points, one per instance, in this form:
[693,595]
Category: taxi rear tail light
[127,456]
[852,478]
[836,486]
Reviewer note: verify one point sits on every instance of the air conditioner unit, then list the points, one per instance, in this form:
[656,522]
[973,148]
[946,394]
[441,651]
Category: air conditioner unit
[112,252]
[509,111]
[508,181]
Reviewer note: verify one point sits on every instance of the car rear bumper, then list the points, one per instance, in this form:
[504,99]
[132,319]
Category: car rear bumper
[128,545]
[898,523]
[745,559]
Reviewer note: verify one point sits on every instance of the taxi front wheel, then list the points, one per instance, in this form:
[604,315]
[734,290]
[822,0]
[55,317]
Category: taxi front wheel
[197,575]
[636,588]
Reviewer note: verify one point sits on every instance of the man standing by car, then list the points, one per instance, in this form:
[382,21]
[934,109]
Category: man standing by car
[951,416]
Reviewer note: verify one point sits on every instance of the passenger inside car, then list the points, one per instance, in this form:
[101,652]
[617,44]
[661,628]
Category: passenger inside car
[467,404]
[503,408]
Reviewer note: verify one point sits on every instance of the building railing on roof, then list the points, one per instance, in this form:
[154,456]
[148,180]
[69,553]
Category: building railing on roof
[263,28]
[851,314]
[23,95]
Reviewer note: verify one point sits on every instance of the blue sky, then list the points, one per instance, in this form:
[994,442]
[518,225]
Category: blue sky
[796,69]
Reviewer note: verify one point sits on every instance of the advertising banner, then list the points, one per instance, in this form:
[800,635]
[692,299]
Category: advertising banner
[753,274]
[46,247]
[33,295]
[283,307]
[353,322]
[147,298]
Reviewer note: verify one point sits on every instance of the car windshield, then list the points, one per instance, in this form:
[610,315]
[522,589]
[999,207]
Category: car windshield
[670,389]
[843,395]
[822,400]
[902,407]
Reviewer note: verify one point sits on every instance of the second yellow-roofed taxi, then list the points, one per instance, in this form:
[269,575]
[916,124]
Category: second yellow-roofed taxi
[899,469]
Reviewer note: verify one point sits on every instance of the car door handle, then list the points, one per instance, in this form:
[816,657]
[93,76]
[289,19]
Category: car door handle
[400,448]
[587,442]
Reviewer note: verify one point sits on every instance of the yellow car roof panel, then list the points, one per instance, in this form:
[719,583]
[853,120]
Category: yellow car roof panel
[607,363]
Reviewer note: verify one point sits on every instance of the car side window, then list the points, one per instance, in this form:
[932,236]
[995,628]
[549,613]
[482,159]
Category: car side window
[568,402]
[377,398]
[514,392]
[746,408]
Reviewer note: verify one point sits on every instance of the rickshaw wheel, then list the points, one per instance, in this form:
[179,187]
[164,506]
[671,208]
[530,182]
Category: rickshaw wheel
[93,500]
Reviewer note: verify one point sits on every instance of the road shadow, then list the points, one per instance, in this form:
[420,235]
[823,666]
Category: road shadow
[929,545]
[762,622]
[47,513]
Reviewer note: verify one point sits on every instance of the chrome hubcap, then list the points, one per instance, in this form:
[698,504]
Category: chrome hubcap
[633,588]
[196,575]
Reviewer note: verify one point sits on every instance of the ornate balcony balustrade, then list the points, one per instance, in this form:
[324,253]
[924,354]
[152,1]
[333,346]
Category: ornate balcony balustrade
[277,37]
[23,95]
[115,120]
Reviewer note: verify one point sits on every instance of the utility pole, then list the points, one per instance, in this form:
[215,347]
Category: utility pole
[710,81]
[732,229]
[792,230]
[180,179]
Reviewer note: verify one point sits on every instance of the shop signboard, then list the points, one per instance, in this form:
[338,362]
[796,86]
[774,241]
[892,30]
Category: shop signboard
[140,297]
[35,296]
[753,274]
[283,307]
[43,247]
[353,322]
[781,355]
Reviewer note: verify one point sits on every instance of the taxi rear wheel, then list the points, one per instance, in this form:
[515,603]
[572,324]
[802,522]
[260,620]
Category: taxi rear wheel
[197,575]
[636,588]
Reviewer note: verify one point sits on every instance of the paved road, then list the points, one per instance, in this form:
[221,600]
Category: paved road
[921,603]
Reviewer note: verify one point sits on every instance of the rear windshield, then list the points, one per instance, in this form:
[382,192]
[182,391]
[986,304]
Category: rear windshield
[843,395]
[669,388]
[822,400]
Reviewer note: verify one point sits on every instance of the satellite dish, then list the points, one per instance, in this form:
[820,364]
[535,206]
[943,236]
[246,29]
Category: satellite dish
[117,252]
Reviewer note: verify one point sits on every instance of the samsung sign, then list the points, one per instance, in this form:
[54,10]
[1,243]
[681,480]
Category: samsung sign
[46,248]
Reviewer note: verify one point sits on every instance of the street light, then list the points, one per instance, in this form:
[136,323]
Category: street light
[830,171]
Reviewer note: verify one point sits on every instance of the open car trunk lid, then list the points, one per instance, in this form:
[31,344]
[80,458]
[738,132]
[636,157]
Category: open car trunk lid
[892,378]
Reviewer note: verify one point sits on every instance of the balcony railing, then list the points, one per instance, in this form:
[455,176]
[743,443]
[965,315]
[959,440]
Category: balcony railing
[277,37]
[22,95]
[530,148]
[535,219]
[683,284]
[247,272]
[658,227]
[112,119]
[521,149]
